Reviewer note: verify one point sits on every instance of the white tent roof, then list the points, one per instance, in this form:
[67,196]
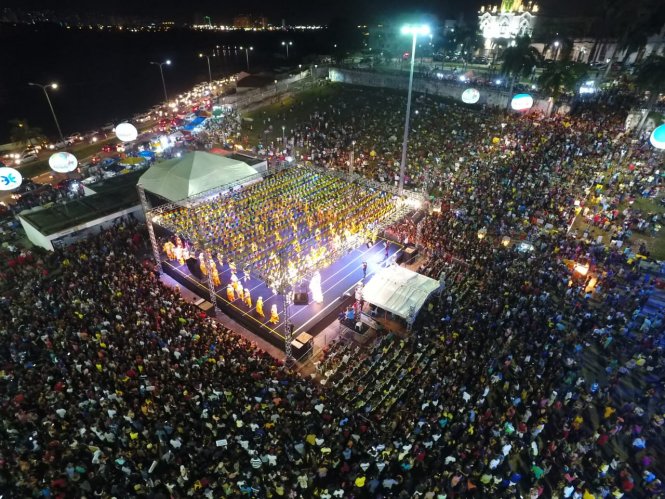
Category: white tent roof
[179,178]
[397,289]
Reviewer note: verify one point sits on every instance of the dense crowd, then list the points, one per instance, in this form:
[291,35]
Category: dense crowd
[546,168]
[523,378]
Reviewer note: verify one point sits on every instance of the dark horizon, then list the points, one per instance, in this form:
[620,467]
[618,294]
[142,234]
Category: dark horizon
[295,12]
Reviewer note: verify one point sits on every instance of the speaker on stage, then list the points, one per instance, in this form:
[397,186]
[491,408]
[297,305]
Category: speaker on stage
[300,298]
[194,267]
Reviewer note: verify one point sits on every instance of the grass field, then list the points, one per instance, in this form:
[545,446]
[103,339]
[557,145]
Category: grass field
[656,245]
[294,109]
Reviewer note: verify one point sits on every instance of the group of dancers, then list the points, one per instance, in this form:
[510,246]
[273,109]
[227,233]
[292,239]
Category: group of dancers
[298,216]
[180,251]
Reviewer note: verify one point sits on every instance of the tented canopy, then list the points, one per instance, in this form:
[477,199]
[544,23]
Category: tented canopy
[193,173]
[397,289]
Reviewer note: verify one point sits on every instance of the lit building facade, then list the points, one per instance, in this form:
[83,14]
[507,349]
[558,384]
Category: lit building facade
[501,25]
[512,19]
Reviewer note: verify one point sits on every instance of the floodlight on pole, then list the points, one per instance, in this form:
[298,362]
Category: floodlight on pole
[54,86]
[247,49]
[161,72]
[286,44]
[209,70]
[414,31]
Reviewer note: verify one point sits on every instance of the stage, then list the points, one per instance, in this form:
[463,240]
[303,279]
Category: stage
[339,278]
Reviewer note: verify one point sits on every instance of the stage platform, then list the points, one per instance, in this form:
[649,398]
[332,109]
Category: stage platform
[336,280]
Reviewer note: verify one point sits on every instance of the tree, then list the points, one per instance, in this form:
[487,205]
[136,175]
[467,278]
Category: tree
[650,78]
[22,133]
[561,77]
[470,39]
[630,24]
[519,60]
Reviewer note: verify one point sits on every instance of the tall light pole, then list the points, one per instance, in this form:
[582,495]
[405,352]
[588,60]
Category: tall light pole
[352,158]
[414,31]
[286,44]
[209,71]
[161,72]
[48,99]
[247,49]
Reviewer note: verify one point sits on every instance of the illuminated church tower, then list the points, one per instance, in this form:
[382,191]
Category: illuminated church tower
[514,18]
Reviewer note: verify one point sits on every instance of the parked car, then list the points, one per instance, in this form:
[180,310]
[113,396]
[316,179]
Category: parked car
[26,157]
[74,138]
[53,146]
[26,186]
[90,180]
[140,118]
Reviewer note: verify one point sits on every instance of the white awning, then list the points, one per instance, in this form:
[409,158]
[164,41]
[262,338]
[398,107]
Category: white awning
[398,289]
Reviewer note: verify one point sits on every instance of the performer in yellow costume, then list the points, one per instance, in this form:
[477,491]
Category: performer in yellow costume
[168,249]
[259,307]
[202,263]
[248,298]
[239,290]
[230,294]
[274,316]
[215,275]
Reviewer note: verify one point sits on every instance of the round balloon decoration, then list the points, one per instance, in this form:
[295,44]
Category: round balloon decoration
[521,102]
[126,132]
[470,96]
[63,162]
[9,178]
[657,137]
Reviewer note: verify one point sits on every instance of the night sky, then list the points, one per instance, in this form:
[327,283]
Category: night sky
[294,11]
